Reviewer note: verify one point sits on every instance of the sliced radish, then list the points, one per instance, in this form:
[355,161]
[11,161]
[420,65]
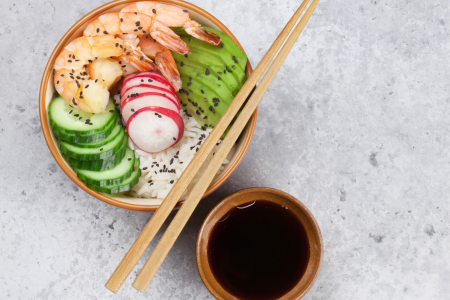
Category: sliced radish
[164,96]
[154,129]
[146,88]
[136,103]
[146,78]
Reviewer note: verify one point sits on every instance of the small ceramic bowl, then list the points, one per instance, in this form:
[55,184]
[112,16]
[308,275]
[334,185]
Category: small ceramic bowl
[47,91]
[272,195]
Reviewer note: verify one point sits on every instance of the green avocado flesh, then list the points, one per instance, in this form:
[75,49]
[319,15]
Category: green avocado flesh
[211,75]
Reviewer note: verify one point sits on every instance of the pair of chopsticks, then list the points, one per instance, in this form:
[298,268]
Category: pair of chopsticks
[168,239]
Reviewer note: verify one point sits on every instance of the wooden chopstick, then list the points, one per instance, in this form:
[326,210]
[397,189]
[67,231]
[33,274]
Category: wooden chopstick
[195,195]
[144,239]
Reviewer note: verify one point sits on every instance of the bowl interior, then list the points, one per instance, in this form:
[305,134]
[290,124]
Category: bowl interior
[141,203]
[279,197]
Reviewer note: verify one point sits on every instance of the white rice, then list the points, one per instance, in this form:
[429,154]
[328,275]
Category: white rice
[155,181]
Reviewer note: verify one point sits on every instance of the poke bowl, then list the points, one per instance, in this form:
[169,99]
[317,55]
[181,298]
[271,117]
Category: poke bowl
[130,199]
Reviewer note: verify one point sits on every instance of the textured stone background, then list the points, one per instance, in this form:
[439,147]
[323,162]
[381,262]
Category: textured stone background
[355,125]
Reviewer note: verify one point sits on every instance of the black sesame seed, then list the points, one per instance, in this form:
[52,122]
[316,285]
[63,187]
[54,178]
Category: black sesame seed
[128,53]
[111,111]
[154,11]
[218,77]
[171,161]
[120,122]
[186,55]
[62,75]
[82,118]
[132,109]
[129,159]
[221,45]
[185,10]
[73,101]
[57,82]
[135,30]
[171,181]
[70,60]
[76,115]
[70,111]
[117,44]
[150,80]
[196,150]
[96,80]
[101,149]
[182,63]
[105,32]
[121,19]
[189,83]
[189,115]
[205,117]
[98,30]
[86,86]
[207,72]
[216,104]
[140,28]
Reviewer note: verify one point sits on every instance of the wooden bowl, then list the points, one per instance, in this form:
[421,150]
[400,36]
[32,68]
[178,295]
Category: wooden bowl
[47,91]
[272,195]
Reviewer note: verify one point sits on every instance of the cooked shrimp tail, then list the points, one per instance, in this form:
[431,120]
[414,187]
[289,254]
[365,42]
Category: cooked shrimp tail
[166,37]
[196,30]
[168,68]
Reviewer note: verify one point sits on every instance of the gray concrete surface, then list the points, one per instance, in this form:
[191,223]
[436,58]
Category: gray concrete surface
[355,125]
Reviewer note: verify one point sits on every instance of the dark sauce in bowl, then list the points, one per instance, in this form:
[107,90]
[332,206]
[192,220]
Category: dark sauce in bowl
[258,250]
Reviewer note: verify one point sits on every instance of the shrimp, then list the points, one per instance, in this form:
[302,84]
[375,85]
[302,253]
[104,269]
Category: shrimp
[134,23]
[89,65]
[156,46]
[130,26]
[172,16]
[163,58]
[72,80]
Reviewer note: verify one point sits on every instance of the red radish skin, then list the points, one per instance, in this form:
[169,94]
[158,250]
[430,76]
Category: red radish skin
[155,77]
[145,124]
[126,100]
[136,103]
[147,88]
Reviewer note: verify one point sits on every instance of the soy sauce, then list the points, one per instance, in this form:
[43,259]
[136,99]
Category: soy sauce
[258,250]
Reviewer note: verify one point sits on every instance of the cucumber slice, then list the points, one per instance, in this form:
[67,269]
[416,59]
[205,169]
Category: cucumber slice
[101,152]
[125,186]
[114,133]
[101,164]
[66,118]
[114,176]
[90,138]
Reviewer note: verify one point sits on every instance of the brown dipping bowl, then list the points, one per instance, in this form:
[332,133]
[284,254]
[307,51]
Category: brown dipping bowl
[275,196]
[47,91]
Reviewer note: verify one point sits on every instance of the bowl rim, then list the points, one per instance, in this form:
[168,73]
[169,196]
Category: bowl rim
[208,225]
[43,110]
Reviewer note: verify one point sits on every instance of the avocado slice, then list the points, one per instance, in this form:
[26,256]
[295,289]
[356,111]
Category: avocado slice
[216,68]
